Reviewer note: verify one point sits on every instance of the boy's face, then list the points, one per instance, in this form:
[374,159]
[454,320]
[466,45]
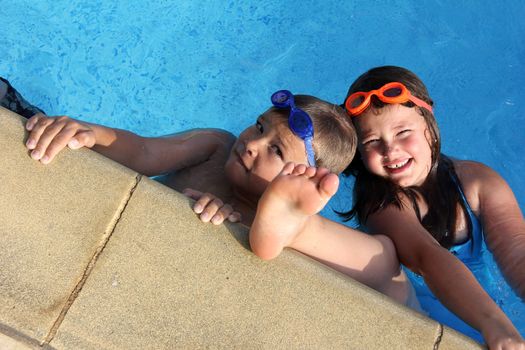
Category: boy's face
[260,153]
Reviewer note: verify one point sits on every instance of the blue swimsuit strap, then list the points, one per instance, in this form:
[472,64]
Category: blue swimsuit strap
[476,234]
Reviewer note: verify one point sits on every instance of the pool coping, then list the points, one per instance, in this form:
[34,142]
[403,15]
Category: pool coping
[98,256]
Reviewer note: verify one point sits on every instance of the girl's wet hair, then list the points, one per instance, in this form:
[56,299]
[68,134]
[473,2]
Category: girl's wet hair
[372,192]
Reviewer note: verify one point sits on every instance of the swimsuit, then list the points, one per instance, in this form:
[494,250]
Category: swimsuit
[470,253]
[13,101]
[471,250]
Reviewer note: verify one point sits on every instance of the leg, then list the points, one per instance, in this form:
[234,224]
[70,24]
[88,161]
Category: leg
[12,100]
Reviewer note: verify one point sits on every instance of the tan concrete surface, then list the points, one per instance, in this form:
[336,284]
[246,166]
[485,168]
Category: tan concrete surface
[187,284]
[52,220]
[452,340]
[164,279]
[8,343]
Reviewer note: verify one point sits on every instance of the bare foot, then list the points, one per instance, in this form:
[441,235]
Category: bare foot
[296,194]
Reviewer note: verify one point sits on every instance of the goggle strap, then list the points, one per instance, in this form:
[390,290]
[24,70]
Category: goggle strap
[419,102]
[309,151]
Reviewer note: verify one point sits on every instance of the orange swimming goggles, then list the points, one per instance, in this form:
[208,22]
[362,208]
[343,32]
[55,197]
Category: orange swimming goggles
[390,93]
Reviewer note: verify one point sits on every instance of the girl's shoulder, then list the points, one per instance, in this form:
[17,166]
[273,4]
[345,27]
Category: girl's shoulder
[476,178]
[470,171]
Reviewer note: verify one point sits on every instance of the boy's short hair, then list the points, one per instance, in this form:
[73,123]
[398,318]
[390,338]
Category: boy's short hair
[335,139]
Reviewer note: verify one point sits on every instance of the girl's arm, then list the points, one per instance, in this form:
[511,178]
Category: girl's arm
[447,277]
[503,224]
[149,156]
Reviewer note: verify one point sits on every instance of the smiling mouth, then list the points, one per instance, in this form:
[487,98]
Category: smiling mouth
[398,167]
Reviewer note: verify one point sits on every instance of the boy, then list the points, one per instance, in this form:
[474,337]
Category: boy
[297,129]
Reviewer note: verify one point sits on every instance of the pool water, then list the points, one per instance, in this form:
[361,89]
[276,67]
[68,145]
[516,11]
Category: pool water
[161,67]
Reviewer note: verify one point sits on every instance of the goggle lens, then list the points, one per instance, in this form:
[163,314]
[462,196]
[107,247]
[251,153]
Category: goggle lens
[301,124]
[299,121]
[357,101]
[393,92]
[280,99]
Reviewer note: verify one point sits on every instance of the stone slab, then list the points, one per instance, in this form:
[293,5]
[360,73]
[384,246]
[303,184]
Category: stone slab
[8,343]
[164,279]
[52,219]
[452,340]
[167,280]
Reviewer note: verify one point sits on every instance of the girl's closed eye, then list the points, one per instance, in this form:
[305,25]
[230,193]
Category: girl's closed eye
[259,126]
[370,141]
[404,132]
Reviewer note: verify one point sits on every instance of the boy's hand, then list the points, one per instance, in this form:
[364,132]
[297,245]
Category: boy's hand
[49,135]
[211,208]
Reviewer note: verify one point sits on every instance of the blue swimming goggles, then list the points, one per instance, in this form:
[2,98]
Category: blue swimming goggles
[299,121]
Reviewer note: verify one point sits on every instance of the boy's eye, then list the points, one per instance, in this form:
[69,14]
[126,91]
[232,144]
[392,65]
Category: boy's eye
[259,126]
[277,151]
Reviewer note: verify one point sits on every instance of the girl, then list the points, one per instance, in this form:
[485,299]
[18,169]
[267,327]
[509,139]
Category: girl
[437,210]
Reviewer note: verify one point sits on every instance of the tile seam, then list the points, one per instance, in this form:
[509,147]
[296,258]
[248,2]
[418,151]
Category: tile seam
[438,337]
[87,271]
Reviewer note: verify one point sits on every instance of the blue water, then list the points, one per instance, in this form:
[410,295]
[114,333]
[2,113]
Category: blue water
[157,68]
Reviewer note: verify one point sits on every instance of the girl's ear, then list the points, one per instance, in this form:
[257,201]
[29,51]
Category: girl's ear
[428,136]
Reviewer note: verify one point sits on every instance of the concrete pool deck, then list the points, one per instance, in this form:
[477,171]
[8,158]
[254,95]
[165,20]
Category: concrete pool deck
[96,256]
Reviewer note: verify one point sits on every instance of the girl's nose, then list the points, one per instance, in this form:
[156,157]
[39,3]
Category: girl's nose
[388,148]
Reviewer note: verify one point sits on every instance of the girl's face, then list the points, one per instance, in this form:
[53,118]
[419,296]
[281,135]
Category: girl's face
[260,153]
[394,143]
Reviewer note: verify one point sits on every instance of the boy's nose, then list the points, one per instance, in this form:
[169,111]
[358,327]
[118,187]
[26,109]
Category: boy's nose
[251,147]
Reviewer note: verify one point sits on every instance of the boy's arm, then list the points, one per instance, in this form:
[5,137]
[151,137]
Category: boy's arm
[160,155]
[503,226]
[149,156]
[447,277]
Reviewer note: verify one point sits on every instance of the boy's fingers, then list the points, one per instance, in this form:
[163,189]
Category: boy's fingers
[53,139]
[202,203]
[40,123]
[221,215]
[57,143]
[45,131]
[235,217]
[191,193]
[211,209]
[83,138]
[32,121]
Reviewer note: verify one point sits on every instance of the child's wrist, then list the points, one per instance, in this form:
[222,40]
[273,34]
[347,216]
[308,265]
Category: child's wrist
[498,327]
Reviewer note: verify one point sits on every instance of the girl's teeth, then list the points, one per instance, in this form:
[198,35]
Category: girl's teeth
[399,165]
